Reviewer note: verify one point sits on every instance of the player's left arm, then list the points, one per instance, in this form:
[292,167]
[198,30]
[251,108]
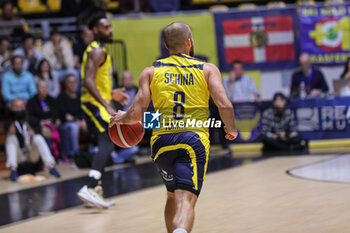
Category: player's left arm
[141,101]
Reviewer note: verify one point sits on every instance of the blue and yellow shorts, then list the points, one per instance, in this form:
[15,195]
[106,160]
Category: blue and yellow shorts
[96,117]
[181,159]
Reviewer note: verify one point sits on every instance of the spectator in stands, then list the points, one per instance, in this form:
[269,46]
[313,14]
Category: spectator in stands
[279,129]
[80,45]
[31,55]
[23,144]
[130,89]
[70,114]
[59,53]
[240,87]
[44,73]
[346,72]
[5,55]
[7,12]
[345,90]
[11,25]
[17,82]
[308,81]
[42,116]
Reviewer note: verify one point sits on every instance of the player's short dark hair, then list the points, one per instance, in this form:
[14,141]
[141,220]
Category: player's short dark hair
[95,19]
[235,62]
[15,57]
[175,35]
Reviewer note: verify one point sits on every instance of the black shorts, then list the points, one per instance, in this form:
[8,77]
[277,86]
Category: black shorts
[181,159]
[96,117]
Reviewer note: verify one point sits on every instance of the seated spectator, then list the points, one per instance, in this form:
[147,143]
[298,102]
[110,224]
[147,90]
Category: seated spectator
[345,90]
[11,25]
[240,87]
[42,116]
[22,144]
[17,82]
[346,72]
[308,81]
[279,129]
[31,55]
[59,53]
[130,89]
[80,45]
[44,73]
[5,55]
[70,114]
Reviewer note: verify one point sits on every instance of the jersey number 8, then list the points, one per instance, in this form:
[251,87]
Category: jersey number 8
[179,104]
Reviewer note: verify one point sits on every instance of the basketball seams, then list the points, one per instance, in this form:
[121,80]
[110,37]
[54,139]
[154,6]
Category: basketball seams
[138,139]
[121,136]
[126,135]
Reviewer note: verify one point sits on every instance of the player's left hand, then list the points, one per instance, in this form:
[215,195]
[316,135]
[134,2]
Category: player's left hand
[117,118]
[118,95]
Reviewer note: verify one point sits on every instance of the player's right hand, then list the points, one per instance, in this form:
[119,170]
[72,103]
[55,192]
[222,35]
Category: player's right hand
[117,118]
[231,134]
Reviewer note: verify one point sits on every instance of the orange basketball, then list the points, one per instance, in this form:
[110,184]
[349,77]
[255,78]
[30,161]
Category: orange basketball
[126,135]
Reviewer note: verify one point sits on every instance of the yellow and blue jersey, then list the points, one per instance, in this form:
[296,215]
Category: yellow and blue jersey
[103,79]
[180,92]
[97,115]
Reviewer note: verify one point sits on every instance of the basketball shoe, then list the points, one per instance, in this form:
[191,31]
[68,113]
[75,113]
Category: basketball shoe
[94,196]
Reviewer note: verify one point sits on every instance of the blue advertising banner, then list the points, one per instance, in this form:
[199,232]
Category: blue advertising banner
[325,33]
[318,118]
[323,118]
[263,40]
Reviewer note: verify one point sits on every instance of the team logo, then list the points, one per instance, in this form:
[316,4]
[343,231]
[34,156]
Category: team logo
[332,34]
[258,39]
[167,177]
[151,120]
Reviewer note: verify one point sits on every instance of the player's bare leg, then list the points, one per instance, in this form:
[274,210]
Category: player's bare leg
[185,202]
[169,212]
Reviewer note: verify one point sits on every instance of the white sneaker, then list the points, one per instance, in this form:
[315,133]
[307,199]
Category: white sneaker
[91,196]
[99,191]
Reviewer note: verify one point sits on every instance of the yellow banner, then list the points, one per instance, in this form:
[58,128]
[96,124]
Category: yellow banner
[142,37]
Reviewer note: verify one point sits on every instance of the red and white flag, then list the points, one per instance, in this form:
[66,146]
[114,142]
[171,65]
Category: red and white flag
[259,39]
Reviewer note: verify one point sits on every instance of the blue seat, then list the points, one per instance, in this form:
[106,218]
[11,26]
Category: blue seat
[165,5]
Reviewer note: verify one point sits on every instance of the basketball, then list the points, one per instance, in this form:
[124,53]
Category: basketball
[126,135]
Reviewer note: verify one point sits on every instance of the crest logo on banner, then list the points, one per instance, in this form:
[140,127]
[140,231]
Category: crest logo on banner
[259,39]
[331,34]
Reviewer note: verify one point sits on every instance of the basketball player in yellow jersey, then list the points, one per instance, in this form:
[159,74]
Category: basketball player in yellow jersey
[97,93]
[180,86]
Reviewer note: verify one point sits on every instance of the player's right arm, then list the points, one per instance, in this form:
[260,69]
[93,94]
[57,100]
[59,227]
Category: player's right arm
[218,93]
[95,58]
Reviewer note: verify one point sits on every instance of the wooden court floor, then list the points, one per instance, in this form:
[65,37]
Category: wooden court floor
[258,197]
